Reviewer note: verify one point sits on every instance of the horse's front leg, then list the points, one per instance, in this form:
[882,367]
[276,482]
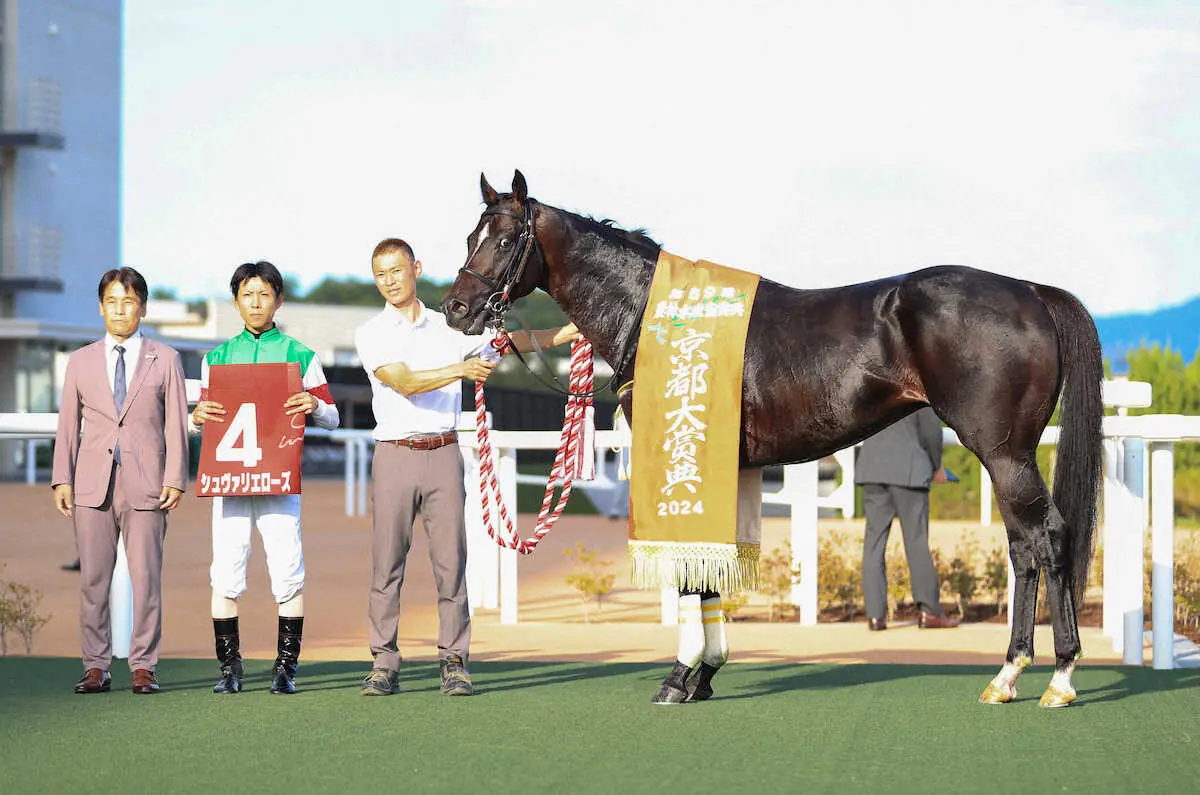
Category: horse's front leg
[1003,687]
[702,649]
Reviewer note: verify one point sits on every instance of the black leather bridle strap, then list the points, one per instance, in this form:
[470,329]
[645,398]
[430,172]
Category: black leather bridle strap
[498,302]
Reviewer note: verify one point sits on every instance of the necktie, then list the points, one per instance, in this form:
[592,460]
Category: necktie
[119,390]
[119,380]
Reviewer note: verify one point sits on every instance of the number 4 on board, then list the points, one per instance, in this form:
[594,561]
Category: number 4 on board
[244,426]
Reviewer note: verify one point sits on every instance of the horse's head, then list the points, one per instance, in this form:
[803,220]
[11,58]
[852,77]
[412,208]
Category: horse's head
[503,260]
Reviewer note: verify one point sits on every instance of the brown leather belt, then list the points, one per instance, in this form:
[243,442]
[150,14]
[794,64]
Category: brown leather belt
[425,441]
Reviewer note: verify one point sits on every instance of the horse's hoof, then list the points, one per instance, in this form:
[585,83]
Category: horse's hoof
[669,694]
[997,694]
[1056,697]
[699,687]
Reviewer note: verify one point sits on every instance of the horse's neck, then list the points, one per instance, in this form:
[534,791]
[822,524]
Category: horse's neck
[602,286]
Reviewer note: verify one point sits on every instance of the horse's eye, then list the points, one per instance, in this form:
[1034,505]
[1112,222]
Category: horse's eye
[505,242]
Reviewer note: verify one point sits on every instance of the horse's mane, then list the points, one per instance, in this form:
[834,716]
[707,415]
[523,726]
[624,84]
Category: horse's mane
[637,236]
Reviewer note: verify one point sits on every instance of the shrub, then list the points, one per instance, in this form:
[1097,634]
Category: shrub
[961,578]
[18,612]
[839,582]
[995,577]
[899,579]
[590,578]
[776,578]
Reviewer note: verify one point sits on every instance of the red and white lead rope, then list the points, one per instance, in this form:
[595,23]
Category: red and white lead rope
[574,460]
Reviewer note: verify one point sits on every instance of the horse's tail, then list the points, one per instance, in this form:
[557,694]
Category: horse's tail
[1080,445]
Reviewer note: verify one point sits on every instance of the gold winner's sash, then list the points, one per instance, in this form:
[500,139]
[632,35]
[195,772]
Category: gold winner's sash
[687,402]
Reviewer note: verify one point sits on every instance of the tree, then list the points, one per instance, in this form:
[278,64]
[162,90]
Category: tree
[160,293]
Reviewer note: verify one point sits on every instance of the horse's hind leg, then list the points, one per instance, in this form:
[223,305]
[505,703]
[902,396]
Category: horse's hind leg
[702,649]
[1061,601]
[1025,505]
[1003,687]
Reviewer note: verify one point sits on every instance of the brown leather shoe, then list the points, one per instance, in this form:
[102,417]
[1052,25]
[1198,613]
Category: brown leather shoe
[877,624]
[934,621]
[94,681]
[144,681]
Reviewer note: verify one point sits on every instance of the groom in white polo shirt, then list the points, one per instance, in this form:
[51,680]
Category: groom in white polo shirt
[415,364]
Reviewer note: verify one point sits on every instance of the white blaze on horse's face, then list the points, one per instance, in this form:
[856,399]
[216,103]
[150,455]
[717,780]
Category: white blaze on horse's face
[483,235]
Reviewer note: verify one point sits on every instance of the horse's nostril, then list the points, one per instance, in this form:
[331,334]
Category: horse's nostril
[457,307]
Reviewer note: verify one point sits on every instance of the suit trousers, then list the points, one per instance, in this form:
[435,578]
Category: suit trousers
[881,504]
[407,483]
[97,531]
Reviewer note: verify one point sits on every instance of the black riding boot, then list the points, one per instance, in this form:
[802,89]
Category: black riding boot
[228,655]
[290,630]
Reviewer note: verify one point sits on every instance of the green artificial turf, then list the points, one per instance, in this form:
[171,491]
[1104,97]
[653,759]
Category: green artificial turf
[589,727]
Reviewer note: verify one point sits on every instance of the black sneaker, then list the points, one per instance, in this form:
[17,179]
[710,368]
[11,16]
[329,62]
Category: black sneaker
[455,679]
[381,682]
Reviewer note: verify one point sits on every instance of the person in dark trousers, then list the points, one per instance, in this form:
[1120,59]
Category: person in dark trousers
[895,469]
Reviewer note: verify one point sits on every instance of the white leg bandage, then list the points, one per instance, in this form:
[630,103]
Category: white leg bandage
[691,632]
[716,648]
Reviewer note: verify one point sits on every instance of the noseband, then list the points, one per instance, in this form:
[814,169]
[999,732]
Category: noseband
[499,301]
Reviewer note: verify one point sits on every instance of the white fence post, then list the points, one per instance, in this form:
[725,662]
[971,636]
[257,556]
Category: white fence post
[669,602]
[351,448]
[120,604]
[800,484]
[507,472]
[1130,530]
[1162,507]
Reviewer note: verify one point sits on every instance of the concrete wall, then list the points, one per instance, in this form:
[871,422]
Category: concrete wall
[78,189]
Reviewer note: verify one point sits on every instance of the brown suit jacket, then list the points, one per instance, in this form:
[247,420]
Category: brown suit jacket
[152,427]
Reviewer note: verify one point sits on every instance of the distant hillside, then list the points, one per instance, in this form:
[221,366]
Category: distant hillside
[1178,326]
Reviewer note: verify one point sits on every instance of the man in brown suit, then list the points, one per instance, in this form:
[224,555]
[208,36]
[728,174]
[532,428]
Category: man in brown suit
[120,473]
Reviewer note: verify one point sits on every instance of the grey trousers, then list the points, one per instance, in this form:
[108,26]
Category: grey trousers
[407,483]
[881,504]
[97,531]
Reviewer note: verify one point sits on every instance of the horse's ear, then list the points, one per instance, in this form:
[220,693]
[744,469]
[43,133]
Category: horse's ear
[520,190]
[489,193]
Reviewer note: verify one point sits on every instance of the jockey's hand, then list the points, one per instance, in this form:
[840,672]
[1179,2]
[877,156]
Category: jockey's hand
[940,476]
[300,403]
[207,411]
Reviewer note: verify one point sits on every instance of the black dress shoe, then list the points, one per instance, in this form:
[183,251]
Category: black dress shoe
[934,621]
[877,624]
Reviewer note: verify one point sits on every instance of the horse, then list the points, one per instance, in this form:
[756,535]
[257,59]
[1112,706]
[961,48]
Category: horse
[826,368]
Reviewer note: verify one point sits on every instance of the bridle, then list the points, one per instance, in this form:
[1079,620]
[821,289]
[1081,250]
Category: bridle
[500,300]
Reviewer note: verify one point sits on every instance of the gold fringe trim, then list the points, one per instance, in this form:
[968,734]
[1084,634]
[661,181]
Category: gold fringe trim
[725,568]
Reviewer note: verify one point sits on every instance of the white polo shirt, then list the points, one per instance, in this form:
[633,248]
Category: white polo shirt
[426,344]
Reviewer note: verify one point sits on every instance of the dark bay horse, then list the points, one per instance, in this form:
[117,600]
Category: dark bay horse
[827,368]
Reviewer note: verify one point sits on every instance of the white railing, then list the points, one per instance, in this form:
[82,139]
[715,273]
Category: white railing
[492,572]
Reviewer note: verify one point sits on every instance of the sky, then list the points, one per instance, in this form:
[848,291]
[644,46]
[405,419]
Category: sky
[815,143]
